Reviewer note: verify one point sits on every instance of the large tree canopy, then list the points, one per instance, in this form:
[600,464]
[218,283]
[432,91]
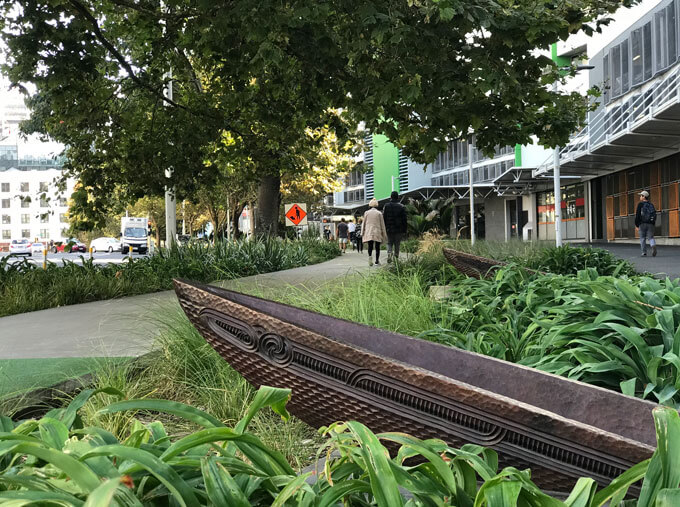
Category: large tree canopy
[263,73]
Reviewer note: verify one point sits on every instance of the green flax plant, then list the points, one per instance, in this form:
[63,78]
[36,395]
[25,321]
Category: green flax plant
[59,460]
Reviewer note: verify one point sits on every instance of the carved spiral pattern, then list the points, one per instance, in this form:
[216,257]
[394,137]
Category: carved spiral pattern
[276,348]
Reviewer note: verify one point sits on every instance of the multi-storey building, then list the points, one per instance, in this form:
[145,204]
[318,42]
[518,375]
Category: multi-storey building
[629,143]
[33,200]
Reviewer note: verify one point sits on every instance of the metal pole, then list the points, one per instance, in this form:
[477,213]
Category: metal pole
[170,205]
[472,195]
[558,190]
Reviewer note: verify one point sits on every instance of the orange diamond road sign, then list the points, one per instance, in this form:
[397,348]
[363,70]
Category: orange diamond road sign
[296,214]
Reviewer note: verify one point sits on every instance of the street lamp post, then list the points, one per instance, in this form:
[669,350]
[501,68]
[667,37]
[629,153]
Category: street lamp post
[170,203]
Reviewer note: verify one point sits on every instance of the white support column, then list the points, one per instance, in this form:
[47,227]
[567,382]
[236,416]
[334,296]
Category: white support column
[472,194]
[558,196]
[589,215]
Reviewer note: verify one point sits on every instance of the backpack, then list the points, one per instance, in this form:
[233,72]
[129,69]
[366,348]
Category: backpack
[647,213]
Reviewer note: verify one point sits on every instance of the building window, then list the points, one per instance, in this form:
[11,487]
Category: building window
[24,187]
[5,187]
[25,201]
[616,71]
[25,218]
[625,74]
[6,234]
[6,219]
[44,185]
[64,232]
[660,40]
[62,202]
[44,218]
[44,234]
[5,203]
[672,33]
[63,218]
[43,203]
[606,85]
[25,233]
[636,49]
[647,50]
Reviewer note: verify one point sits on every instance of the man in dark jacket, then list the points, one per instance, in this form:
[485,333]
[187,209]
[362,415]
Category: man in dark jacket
[645,218]
[395,224]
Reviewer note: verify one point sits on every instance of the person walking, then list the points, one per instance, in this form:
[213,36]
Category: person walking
[358,237]
[343,229]
[395,224]
[373,231]
[645,218]
[352,227]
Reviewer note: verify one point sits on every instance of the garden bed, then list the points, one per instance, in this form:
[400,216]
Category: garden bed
[25,287]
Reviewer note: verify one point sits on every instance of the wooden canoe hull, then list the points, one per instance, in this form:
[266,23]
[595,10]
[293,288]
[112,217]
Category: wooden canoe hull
[340,370]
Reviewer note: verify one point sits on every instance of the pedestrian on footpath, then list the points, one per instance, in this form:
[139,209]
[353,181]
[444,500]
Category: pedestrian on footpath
[395,224]
[358,237]
[342,235]
[352,233]
[645,218]
[373,231]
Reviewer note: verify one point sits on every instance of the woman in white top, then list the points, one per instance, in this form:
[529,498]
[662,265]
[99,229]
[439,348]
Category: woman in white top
[373,231]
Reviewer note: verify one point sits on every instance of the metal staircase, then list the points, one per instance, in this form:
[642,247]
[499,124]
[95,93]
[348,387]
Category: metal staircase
[639,127]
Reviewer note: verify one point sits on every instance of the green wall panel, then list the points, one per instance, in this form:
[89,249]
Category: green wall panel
[385,166]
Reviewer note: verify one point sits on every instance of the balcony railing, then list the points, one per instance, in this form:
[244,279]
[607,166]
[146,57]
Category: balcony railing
[612,121]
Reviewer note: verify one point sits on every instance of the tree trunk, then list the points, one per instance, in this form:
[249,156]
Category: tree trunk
[268,203]
[235,215]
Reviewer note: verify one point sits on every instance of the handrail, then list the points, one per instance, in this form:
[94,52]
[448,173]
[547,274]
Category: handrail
[614,118]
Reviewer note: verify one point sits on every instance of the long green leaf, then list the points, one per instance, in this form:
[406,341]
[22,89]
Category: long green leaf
[81,474]
[220,486]
[266,396]
[168,407]
[291,489]
[342,489]
[37,497]
[180,490]
[582,494]
[383,483]
[103,494]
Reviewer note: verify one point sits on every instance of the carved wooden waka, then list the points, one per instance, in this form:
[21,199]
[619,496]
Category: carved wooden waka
[340,370]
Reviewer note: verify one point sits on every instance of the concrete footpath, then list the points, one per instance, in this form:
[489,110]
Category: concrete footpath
[666,262]
[127,326]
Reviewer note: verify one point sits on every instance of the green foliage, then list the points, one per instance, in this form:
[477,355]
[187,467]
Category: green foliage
[72,283]
[247,90]
[617,333]
[569,260]
[59,460]
[433,214]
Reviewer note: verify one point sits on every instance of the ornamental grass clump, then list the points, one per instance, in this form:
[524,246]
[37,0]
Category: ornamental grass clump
[58,460]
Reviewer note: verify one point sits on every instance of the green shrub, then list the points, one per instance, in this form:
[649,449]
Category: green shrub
[567,259]
[57,460]
[26,287]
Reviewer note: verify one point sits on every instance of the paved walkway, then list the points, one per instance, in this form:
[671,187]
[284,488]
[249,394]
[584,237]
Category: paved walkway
[666,263]
[127,326]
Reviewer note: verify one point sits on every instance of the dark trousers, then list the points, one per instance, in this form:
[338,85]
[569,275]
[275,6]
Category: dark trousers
[375,244]
[393,242]
[360,244]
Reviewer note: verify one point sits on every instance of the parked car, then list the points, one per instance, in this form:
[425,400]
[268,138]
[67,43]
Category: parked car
[105,245]
[75,246]
[20,247]
[38,248]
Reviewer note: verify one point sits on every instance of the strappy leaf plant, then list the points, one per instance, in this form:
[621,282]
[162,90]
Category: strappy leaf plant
[56,460]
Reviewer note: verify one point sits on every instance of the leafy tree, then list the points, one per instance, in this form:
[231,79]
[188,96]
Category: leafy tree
[263,73]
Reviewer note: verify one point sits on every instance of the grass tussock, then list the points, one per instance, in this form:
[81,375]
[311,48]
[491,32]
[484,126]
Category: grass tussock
[186,369]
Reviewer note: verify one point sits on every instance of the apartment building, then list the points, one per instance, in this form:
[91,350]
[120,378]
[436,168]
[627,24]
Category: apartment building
[33,200]
[630,142]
